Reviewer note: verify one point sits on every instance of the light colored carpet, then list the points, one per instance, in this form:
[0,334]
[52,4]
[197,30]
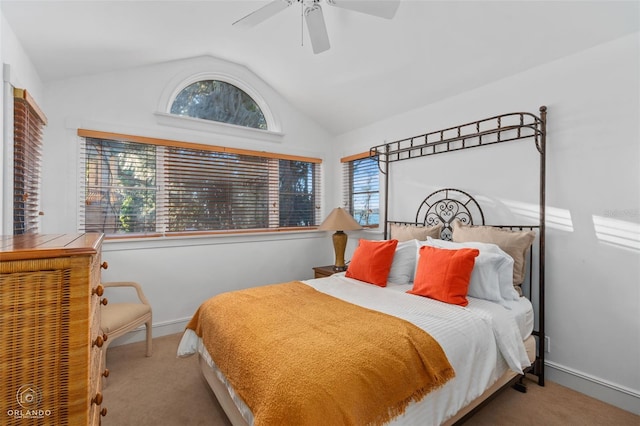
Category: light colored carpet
[164,390]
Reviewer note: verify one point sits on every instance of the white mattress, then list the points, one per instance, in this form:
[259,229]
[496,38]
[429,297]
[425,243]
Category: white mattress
[482,341]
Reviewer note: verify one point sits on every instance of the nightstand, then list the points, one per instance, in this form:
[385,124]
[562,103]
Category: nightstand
[324,271]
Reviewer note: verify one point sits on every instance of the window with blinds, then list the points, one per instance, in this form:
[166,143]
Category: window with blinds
[361,189]
[28,124]
[147,186]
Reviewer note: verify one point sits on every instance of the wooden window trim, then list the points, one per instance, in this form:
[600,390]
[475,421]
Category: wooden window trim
[182,234]
[354,157]
[23,94]
[192,145]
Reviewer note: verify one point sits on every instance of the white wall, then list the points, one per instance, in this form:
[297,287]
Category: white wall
[593,199]
[23,74]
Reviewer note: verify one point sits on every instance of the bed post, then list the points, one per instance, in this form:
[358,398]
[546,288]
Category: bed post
[541,261]
[386,191]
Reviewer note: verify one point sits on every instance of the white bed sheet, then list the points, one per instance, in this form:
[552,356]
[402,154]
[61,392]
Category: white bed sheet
[482,341]
[521,309]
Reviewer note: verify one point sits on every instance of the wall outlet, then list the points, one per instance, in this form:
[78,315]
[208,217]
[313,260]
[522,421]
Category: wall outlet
[547,344]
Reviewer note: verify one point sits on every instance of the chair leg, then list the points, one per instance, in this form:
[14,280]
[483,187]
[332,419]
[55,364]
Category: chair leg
[149,337]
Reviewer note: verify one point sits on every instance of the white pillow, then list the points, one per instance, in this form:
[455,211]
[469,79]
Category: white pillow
[492,275]
[404,263]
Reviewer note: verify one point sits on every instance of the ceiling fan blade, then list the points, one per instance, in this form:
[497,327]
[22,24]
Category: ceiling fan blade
[382,8]
[317,28]
[262,14]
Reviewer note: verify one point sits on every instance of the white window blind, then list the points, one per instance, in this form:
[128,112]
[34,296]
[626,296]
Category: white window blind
[361,188]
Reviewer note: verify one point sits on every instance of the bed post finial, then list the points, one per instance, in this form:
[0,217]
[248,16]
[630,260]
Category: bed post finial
[543,109]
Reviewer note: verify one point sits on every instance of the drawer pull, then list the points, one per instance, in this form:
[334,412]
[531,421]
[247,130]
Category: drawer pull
[97,399]
[100,340]
[103,412]
[99,290]
[105,373]
[104,265]
[104,301]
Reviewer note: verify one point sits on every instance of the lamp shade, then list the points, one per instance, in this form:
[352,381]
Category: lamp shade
[339,220]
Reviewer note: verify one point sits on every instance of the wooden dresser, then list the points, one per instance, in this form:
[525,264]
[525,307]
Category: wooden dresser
[50,337]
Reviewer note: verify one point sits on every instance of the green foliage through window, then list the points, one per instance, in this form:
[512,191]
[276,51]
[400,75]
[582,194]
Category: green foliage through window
[138,188]
[296,193]
[120,180]
[219,101]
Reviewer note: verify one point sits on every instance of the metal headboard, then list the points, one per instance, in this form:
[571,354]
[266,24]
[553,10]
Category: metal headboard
[444,206]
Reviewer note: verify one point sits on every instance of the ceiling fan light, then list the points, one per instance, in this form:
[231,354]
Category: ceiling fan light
[317,28]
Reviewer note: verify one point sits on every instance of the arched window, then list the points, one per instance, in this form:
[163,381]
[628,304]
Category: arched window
[219,101]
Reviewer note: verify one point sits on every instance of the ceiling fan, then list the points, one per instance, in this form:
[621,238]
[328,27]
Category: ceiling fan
[315,19]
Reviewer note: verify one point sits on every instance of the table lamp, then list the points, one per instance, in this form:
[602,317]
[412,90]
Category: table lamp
[339,220]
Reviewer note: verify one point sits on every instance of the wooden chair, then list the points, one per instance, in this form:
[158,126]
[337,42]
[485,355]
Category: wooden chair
[118,319]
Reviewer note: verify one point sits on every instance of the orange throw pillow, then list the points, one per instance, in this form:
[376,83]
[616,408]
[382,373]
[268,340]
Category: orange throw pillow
[444,274]
[371,262]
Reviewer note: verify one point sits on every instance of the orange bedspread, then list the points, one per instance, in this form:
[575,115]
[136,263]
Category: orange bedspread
[298,356]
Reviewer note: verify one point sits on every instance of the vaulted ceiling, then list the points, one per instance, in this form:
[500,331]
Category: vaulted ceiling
[375,68]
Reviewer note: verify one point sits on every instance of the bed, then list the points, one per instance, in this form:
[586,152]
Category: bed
[483,336]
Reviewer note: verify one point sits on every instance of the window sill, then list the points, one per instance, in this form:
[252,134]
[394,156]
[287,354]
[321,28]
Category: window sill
[223,129]
[188,240]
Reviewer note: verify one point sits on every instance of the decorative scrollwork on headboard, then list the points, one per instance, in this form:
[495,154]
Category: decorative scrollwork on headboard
[446,205]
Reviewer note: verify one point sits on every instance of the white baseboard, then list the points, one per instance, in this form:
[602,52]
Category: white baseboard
[158,330]
[603,390]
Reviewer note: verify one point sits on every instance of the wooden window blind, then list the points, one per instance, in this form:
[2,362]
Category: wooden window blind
[29,122]
[144,186]
[361,188]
